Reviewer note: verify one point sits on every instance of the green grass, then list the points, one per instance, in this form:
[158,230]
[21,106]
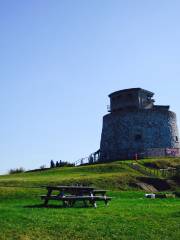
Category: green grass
[115,175]
[129,215]
[161,163]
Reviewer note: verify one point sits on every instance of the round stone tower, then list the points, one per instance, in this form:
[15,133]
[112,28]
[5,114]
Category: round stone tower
[135,127]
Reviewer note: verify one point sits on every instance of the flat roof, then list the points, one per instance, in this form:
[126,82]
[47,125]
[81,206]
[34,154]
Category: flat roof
[129,90]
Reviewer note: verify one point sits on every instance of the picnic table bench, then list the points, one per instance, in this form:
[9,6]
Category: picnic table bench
[69,195]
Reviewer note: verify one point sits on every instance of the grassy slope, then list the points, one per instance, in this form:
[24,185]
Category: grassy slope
[161,163]
[129,215]
[113,175]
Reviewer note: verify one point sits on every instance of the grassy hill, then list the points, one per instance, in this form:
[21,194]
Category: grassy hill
[119,175]
[129,215]
[115,175]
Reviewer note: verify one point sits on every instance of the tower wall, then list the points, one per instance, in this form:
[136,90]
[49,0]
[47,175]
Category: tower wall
[146,132]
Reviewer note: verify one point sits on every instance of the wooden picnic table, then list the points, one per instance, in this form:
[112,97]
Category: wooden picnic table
[70,194]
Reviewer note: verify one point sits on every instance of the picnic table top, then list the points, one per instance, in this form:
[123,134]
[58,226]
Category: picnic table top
[69,188]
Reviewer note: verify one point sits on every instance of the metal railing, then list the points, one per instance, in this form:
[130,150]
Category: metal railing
[92,158]
[154,172]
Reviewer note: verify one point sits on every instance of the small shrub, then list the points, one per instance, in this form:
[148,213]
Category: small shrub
[16,170]
[42,167]
[52,164]
[65,164]
[57,164]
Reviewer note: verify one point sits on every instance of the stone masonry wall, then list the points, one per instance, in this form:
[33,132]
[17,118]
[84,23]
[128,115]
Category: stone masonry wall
[126,133]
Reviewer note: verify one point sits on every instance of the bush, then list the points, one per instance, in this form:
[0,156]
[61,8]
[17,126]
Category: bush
[52,164]
[65,164]
[57,164]
[42,167]
[16,170]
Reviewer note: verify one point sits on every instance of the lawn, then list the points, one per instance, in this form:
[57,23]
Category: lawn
[129,216]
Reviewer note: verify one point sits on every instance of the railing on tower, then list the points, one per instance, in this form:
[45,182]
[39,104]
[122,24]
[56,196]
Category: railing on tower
[92,158]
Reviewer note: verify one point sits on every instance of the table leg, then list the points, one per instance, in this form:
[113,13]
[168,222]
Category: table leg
[66,203]
[95,205]
[93,202]
[105,200]
[48,195]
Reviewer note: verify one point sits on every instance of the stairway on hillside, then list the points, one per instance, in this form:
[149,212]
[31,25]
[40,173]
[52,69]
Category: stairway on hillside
[147,187]
[140,169]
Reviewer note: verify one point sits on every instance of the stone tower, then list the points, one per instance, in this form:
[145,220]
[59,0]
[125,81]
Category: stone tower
[137,127]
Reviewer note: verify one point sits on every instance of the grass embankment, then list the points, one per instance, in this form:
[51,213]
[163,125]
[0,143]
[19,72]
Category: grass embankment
[129,215]
[115,175]
[161,163]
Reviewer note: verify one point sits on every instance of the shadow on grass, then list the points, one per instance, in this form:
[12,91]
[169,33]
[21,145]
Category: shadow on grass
[176,214]
[55,206]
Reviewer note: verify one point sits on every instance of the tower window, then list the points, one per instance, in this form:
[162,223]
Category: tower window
[177,139]
[138,137]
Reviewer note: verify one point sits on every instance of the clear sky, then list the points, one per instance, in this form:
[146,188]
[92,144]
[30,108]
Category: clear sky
[59,59]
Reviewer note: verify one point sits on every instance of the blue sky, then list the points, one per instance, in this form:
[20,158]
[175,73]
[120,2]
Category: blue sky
[59,59]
